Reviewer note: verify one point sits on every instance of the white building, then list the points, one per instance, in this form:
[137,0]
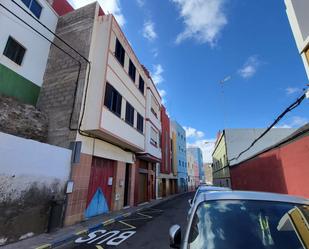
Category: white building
[24,52]
[297,11]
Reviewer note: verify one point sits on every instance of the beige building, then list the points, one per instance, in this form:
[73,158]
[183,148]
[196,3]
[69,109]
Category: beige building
[220,167]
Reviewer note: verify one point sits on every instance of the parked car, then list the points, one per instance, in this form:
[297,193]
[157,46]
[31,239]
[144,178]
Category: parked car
[243,219]
[203,189]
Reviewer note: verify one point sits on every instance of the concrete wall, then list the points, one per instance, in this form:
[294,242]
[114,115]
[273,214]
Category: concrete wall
[281,170]
[31,174]
[57,93]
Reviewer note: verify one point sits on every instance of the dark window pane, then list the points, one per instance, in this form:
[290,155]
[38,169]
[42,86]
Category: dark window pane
[119,52]
[132,70]
[36,8]
[129,114]
[26,2]
[140,123]
[141,85]
[14,51]
[108,96]
[113,99]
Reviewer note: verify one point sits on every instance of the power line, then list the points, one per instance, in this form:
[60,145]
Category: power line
[290,108]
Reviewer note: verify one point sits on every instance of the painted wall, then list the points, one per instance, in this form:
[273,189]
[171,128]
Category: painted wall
[221,175]
[37,48]
[281,170]
[31,174]
[181,153]
[165,143]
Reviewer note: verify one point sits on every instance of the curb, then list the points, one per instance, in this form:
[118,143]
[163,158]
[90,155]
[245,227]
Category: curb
[90,229]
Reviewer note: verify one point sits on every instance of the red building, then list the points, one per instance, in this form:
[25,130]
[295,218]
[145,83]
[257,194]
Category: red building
[281,168]
[166,180]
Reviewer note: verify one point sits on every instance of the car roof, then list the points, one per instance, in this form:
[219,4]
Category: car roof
[212,188]
[250,195]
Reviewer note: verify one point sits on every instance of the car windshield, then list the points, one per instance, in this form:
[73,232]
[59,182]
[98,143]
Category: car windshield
[244,224]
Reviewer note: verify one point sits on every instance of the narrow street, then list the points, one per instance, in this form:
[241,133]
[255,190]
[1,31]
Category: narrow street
[145,229]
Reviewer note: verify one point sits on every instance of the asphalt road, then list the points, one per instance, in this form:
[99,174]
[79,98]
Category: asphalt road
[147,229]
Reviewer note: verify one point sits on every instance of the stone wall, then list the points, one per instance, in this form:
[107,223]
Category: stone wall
[57,93]
[22,120]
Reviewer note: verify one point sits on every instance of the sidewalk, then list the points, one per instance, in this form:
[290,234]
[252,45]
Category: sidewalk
[70,233]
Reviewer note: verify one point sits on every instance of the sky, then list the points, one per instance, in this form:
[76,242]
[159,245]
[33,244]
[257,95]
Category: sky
[217,63]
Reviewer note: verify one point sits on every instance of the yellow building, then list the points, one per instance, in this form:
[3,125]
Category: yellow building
[220,166]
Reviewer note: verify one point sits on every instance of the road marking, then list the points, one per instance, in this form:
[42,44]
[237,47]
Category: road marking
[145,215]
[126,224]
[127,214]
[108,222]
[44,246]
[99,247]
[81,232]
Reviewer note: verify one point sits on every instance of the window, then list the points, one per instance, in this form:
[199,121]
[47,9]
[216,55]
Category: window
[155,108]
[113,100]
[140,123]
[34,7]
[132,71]
[119,52]
[153,137]
[260,225]
[129,114]
[141,85]
[14,51]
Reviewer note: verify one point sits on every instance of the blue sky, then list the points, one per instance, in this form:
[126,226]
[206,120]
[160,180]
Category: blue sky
[192,45]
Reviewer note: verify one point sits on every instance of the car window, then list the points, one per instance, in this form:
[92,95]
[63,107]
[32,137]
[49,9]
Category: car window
[242,224]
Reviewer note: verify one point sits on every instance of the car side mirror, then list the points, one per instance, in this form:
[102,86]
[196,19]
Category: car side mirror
[190,202]
[175,236]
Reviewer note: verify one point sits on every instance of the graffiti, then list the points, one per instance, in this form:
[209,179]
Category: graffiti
[110,238]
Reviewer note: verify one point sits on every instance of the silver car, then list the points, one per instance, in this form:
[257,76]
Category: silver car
[203,189]
[243,219]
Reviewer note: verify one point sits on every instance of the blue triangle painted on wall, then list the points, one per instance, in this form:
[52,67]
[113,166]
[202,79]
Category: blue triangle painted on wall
[98,204]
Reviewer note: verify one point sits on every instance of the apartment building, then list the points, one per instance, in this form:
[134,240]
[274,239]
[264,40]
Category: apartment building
[297,12]
[193,172]
[102,103]
[167,179]
[24,51]
[180,155]
[196,152]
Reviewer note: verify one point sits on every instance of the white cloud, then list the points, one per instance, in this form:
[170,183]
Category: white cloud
[295,122]
[207,146]
[140,3]
[203,20]
[250,67]
[192,132]
[149,32]
[162,93]
[108,6]
[292,90]
[156,74]
[155,52]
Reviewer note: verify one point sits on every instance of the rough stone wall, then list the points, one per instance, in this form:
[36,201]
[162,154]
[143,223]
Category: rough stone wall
[22,120]
[57,94]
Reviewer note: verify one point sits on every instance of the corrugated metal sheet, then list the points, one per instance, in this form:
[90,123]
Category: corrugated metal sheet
[238,140]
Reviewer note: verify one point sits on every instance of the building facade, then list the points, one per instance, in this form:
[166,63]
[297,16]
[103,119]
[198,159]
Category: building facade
[167,180]
[298,17]
[180,155]
[198,155]
[208,173]
[102,103]
[24,52]
[193,172]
